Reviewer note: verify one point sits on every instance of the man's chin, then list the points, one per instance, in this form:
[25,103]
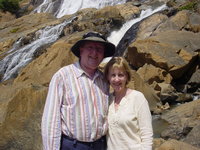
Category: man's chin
[94,65]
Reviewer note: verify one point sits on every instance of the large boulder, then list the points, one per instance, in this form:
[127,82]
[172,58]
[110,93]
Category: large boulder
[183,121]
[175,145]
[150,74]
[21,124]
[193,137]
[170,50]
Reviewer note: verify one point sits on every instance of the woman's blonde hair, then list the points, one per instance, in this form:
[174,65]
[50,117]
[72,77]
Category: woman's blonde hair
[118,62]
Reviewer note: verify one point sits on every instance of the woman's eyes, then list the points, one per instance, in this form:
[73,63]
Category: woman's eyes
[119,75]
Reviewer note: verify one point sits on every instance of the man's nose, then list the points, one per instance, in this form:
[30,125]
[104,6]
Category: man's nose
[94,51]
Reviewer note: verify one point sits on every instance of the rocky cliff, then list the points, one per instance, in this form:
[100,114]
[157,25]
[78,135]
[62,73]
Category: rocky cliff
[163,51]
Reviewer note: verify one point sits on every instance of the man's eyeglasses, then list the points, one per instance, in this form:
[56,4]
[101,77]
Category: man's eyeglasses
[94,34]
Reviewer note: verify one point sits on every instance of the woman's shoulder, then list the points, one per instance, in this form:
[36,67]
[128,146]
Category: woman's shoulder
[132,92]
[136,96]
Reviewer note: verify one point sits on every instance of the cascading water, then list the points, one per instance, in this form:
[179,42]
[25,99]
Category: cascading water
[70,6]
[44,7]
[80,4]
[116,36]
[16,46]
[19,57]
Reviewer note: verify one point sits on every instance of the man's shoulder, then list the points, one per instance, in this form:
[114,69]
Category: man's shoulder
[64,70]
[70,66]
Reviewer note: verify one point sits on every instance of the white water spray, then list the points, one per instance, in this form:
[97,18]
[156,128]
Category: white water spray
[70,6]
[116,36]
[13,62]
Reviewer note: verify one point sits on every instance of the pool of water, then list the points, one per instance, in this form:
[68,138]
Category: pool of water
[159,125]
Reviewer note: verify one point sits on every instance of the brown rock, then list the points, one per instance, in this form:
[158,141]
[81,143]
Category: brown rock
[177,22]
[182,120]
[150,73]
[138,84]
[128,10]
[195,78]
[176,145]
[149,25]
[168,93]
[6,16]
[194,23]
[167,51]
[193,137]
[157,142]
[21,128]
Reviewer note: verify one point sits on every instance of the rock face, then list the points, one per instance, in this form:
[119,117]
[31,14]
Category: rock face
[170,44]
[182,120]
[164,57]
[177,56]
[175,145]
[21,125]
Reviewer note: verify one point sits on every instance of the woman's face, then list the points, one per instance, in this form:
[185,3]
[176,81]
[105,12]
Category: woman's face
[117,78]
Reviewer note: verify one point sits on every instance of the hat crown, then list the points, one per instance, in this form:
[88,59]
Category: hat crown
[89,35]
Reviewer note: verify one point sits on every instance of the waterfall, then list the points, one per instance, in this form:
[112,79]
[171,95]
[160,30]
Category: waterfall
[16,46]
[196,97]
[116,36]
[67,7]
[19,57]
[46,6]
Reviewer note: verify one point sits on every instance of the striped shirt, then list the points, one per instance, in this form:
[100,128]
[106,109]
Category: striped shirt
[76,106]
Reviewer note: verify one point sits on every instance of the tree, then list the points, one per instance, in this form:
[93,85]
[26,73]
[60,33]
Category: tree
[10,5]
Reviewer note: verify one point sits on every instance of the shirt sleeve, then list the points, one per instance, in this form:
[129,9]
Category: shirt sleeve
[51,119]
[145,125]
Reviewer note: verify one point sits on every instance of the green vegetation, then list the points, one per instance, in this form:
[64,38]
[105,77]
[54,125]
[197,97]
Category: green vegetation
[10,5]
[14,30]
[189,6]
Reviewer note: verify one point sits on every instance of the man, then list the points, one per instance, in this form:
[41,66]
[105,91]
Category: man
[75,113]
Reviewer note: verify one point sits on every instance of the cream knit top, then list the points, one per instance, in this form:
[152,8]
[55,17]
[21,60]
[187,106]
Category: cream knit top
[130,126]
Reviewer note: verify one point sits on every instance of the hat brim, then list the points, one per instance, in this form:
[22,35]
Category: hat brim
[109,47]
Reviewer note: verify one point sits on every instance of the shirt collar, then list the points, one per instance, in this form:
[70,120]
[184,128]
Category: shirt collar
[79,71]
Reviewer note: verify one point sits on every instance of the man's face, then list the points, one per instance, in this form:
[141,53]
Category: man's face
[91,55]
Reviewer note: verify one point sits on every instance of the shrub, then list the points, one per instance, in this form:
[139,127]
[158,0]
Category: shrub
[10,5]
[189,6]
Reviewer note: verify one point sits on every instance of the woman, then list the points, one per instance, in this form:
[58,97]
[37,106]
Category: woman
[129,117]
